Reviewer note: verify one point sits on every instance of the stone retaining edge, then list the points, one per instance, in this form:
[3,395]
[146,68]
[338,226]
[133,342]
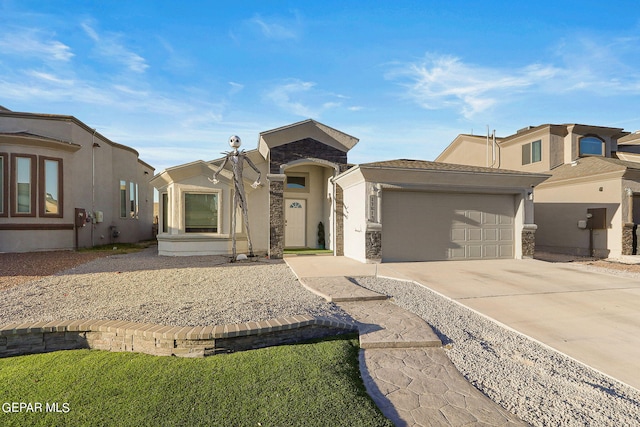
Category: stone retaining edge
[187,341]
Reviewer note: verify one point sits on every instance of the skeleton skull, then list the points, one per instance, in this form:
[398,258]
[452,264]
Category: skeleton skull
[235,142]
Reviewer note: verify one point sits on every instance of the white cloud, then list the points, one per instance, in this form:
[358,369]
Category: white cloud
[445,81]
[303,98]
[275,30]
[110,47]
[31,42]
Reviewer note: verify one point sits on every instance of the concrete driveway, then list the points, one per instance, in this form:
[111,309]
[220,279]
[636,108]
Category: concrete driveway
[592,317]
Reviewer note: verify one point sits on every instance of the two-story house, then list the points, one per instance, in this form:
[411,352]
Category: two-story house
[587,205]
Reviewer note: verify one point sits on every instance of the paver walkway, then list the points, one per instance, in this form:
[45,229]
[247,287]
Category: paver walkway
[403,365]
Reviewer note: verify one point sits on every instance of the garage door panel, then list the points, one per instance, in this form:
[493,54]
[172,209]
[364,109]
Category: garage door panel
[458,234]
[424,226]
[475,235]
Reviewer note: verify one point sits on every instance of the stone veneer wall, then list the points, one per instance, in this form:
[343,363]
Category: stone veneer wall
[528,242]
[373,250]
[307,148]
[199,341]
[276,216]
[628,238]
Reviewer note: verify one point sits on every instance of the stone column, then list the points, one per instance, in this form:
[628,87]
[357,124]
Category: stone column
[339,219]
[373,249]
[628,238]
[528,240]
[276,215]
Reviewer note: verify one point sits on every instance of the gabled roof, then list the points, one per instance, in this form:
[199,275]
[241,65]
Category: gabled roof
[591,167]
[302,130]
[422,174]
[436,166]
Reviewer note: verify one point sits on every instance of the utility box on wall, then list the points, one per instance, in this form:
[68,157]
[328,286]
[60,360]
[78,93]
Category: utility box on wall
[597,218]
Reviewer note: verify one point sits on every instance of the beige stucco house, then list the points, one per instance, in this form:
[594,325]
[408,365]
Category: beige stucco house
[401,210]
[54,168]
[590,204]
[297,164]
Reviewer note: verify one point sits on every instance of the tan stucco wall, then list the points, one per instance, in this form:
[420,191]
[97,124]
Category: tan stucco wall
[317,203]
[468,150]
[559,207]
[80,183]
[176,242]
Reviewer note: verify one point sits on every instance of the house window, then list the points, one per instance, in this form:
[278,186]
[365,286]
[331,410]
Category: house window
[532,152]
[123,199]
[4,174]
[133,200]
[298,182]
[591,146]
[201,212]
[24,179]
[165,212]
[50,194]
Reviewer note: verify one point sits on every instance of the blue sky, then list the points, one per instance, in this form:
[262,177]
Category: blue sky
[175,79]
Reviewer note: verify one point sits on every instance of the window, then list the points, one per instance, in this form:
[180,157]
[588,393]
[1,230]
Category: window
[165,213]
[296,182]
[50,196]
[532,152]
[23,183]
[591,146]
[201,212]
[4,190]
[123,199]
[133,200]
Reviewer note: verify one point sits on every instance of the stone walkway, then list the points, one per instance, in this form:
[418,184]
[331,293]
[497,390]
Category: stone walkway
[403,365]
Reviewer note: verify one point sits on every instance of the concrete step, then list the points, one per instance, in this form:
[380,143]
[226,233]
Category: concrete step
[383,324]
[339,289]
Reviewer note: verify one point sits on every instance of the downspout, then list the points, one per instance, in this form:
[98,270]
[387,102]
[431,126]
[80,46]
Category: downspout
[93,183]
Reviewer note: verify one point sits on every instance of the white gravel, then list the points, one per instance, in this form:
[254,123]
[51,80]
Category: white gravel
[540,385]
[176,291]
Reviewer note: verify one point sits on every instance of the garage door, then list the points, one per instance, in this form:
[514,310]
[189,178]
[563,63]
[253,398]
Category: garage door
[425,226]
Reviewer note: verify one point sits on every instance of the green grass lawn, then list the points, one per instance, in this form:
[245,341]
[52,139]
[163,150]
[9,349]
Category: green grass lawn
[311,384]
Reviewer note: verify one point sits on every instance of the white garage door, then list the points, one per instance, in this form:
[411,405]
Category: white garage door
[424,226]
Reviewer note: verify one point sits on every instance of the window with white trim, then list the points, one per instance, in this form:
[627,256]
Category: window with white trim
[201,212]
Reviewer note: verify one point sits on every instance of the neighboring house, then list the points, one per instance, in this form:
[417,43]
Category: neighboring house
[591,202]
[388,211]
[54,168]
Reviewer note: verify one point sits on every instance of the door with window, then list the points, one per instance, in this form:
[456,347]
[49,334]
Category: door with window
[295,223]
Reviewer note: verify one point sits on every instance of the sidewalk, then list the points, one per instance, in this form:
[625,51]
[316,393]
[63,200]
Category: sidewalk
[403,365]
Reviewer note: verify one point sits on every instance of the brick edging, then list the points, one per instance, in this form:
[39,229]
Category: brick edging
[188,341]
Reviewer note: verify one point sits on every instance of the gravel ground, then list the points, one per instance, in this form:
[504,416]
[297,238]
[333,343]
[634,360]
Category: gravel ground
[540,385]
[176,291]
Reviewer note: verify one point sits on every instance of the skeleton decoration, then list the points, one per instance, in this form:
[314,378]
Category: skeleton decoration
[237,159]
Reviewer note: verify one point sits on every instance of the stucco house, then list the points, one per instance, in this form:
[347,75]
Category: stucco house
[403,210]
[591,202]
[63,185]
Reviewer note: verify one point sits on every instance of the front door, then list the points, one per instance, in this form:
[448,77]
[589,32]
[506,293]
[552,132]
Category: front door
[295,223]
